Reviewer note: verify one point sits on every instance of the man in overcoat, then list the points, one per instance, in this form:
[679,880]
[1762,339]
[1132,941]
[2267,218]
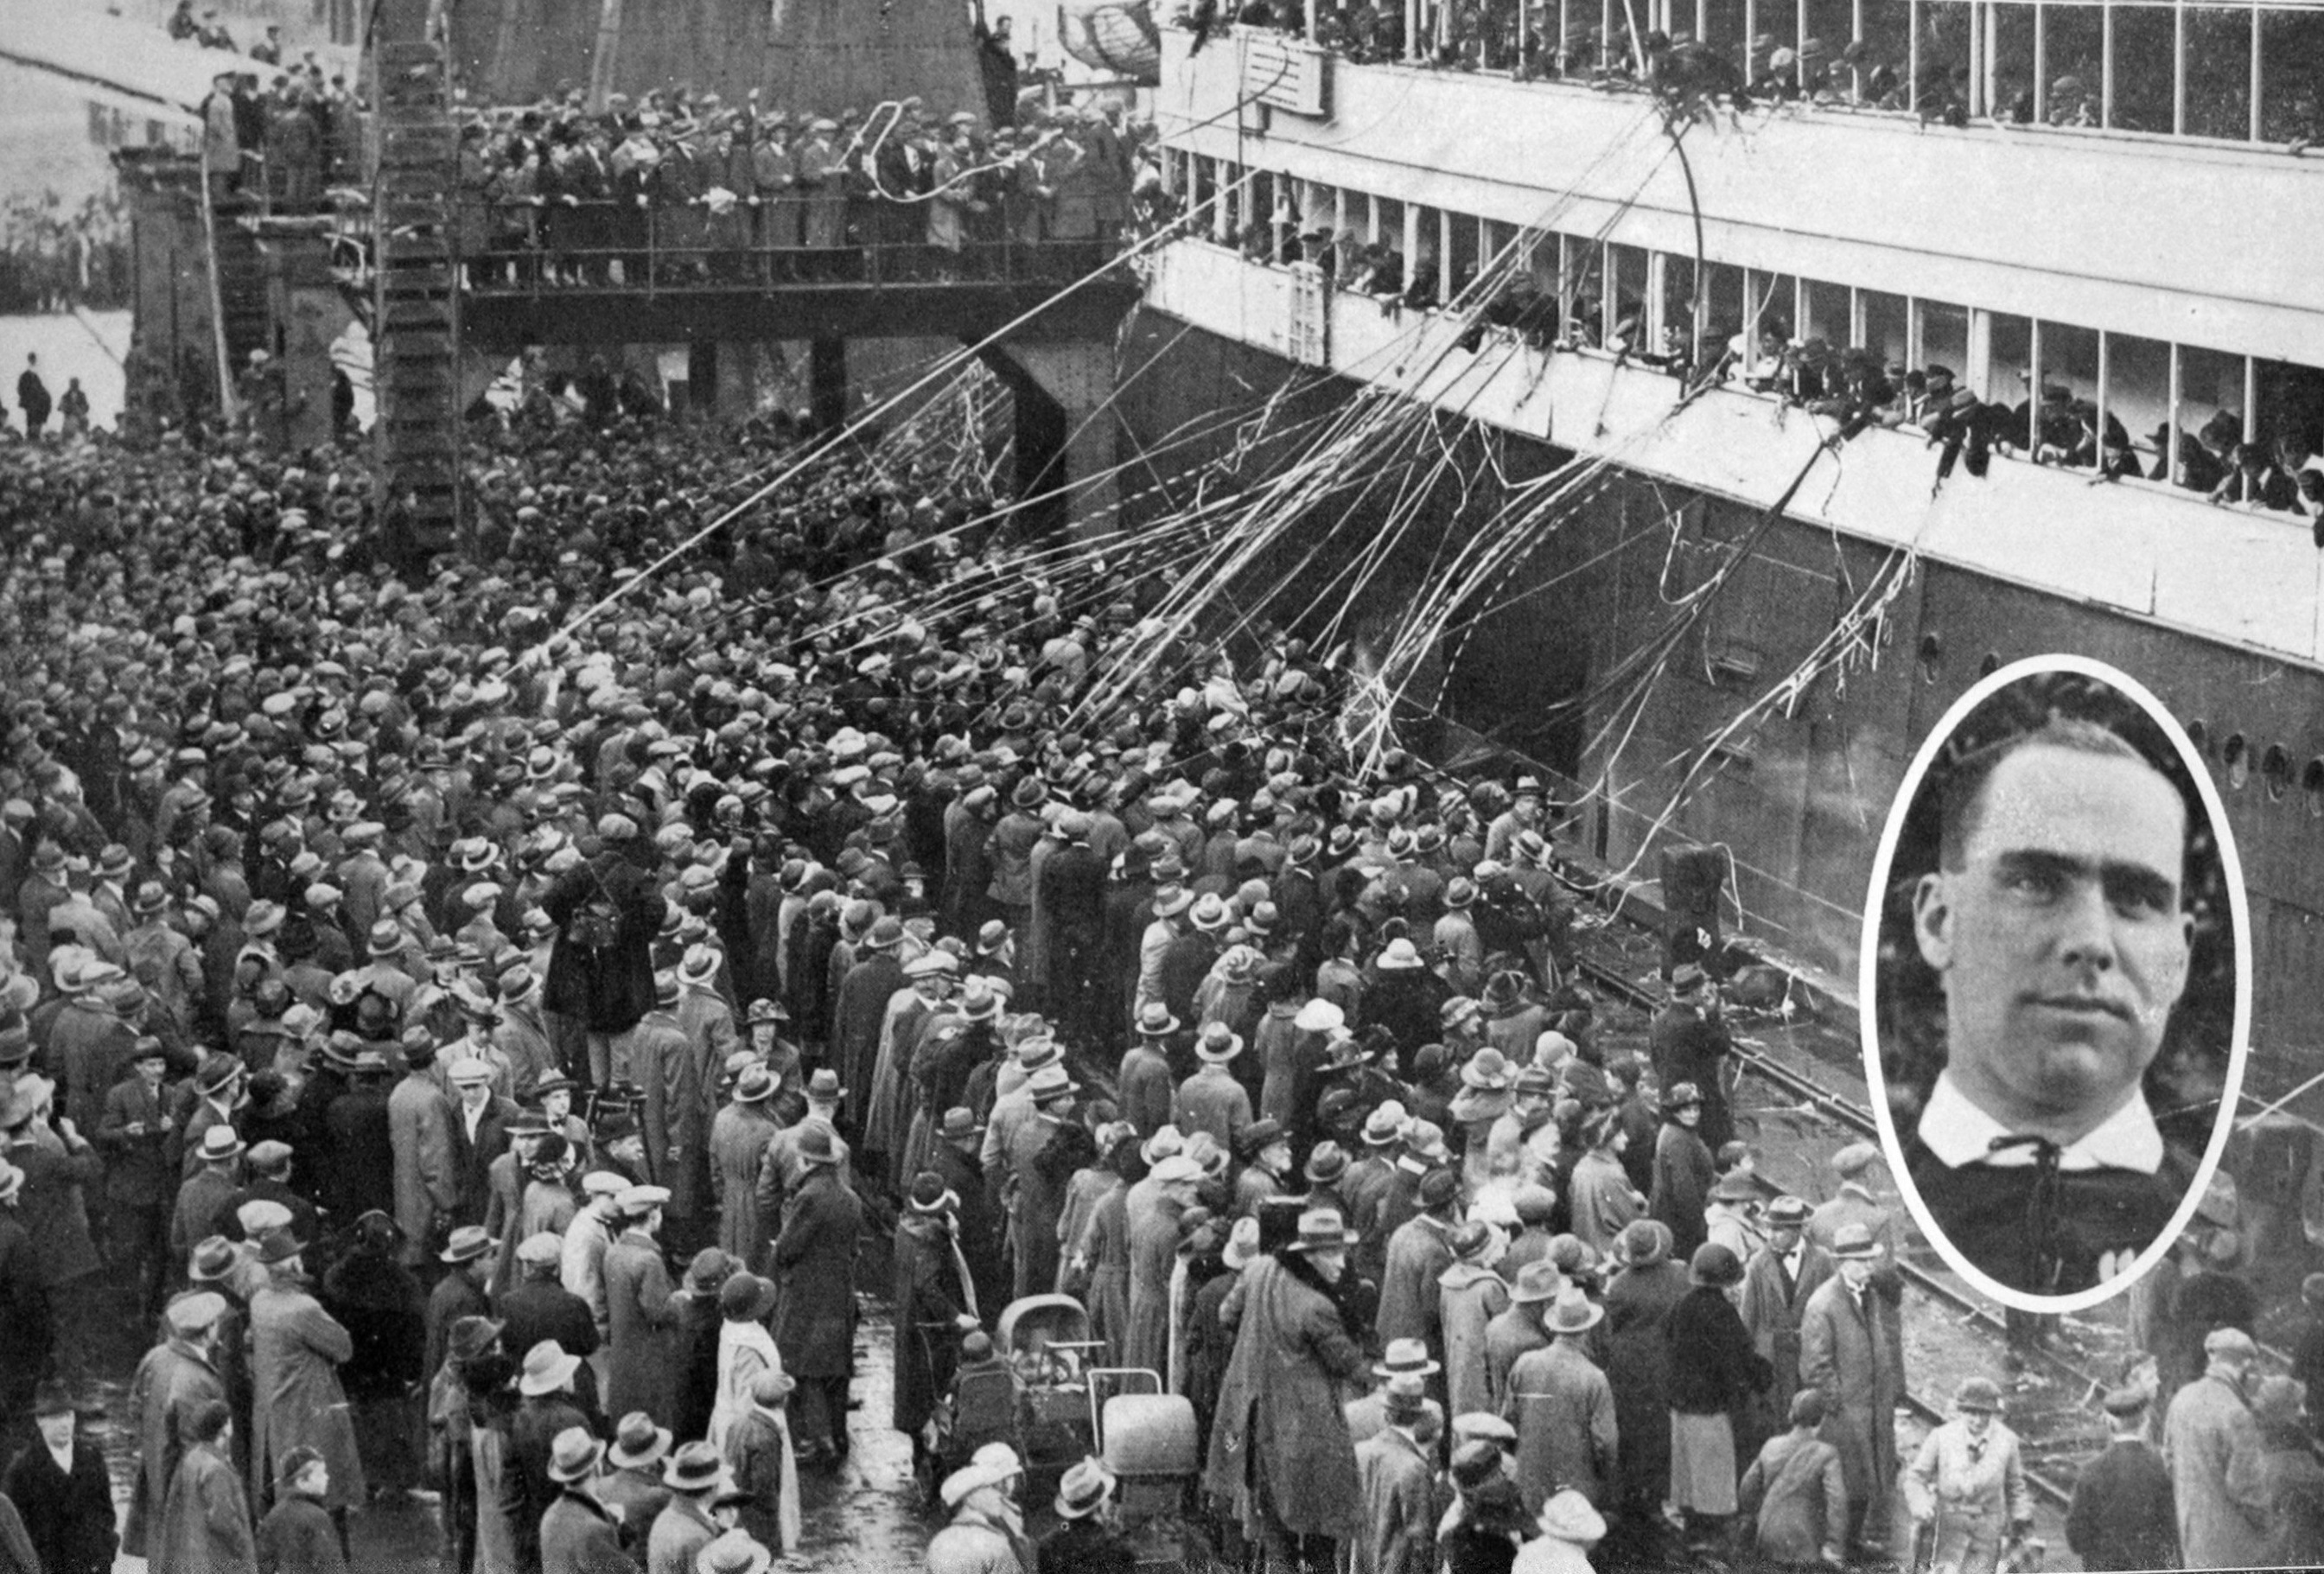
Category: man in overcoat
[815,1321]
[296,1351]
[1852,1352]
[642,1359]
[1280,1452]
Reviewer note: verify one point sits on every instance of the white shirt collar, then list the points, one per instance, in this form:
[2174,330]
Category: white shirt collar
[1957,1132]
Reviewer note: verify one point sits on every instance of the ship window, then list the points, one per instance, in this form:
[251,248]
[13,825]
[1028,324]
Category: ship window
[2138,393]
[1726,296]
[2235,755]
[2070,360]
[2009,73]
[1722,28]
[1989,665]
[1944,337]
[1884,324]
[1463,251]
[2211,402]
[2311,788]
[2275,770]
[2218,87]
[1626,316]
[1772,303]
[1678,306]
[1948,27]
[1933,658]
[1887,38]
[2290,406]
[1826,315]
[2291,44]
[2009,367]
[2144,56]
[2199,736]
[1825,27]
[2073,58]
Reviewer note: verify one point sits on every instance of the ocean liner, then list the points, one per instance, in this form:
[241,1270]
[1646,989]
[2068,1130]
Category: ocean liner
[1616,252]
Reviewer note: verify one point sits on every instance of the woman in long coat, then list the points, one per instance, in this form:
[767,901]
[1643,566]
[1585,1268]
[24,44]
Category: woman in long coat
[1637,1301]
[296,1351]
[1152,1208]
[1280,1427]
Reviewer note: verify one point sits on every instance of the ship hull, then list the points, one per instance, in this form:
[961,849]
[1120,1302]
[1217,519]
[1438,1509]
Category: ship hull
[1542,664]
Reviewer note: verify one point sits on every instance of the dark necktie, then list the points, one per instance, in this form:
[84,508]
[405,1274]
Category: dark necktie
[2041,1201]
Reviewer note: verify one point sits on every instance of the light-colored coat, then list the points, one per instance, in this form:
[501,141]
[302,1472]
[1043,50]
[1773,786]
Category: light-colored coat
[419,1126]
[1975,1487]
[1469,1298]
[296,1350]
[1399,1533]
[1857,1361]
[2213,1448]
[172,1382]
[1563,1408]
[640,1328]
[738,1147]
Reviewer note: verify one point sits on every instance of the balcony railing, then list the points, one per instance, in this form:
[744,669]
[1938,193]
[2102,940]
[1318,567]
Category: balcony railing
[549,247]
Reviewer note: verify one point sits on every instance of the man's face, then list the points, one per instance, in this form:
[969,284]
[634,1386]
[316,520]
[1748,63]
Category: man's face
[57,1431]
[1857,1271]
[2063,938]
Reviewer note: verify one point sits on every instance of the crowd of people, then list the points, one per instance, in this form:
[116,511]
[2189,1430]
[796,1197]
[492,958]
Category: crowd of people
[55,256]
[479,1053]
[678,188]
[281,147]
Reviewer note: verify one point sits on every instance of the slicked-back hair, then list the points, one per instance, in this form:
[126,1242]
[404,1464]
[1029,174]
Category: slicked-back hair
[1963,793]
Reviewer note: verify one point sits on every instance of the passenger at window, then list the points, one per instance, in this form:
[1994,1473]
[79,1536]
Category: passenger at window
[2255,482]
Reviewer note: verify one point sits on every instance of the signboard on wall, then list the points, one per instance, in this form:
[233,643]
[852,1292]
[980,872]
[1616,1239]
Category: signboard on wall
[1286,73]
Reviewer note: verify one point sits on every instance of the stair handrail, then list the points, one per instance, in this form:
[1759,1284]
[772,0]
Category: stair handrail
[228,404]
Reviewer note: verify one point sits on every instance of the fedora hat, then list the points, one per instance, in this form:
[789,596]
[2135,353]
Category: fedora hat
[1209,914]
[1574,1312]
[1083,1490]
[473,1335]
[638,1442]
[219,1145]
[574,1456]
[212,1260]
[1488,1071]
[693,1468]
[1537,1281]
[823,1087]
[818,1145]
[1385,1126]
[1155,1021]
[1218,1044]
[217,1073]
[1854,1242]
[755,1086]
[467,1244]
[734,1552]
[1405,1359]
[546,1369]
[1321,1230]
[1326,1162]
[280,1247]
[1169,901]
[960,1124]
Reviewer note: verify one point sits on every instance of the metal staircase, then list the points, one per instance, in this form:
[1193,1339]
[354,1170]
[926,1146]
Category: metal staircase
[416,302]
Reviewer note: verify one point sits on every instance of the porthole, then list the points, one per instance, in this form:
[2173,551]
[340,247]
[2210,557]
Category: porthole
[2275,770]
[2234,756]
[1990,665]
[2200,736]
[1933,658]
[2311,787]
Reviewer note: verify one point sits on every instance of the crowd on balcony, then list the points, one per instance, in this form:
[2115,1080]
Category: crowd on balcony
[680,188]
[278,148]
[2276,469]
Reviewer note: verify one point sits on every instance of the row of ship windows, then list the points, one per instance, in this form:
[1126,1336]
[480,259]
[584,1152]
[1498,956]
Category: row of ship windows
[1613,296]
[2237,758]
[2241,73]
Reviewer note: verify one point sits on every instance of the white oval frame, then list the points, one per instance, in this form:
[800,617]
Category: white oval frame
[1869,965]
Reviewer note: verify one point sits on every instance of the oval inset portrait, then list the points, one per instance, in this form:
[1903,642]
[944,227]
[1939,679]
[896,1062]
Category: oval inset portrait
[2056,989]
